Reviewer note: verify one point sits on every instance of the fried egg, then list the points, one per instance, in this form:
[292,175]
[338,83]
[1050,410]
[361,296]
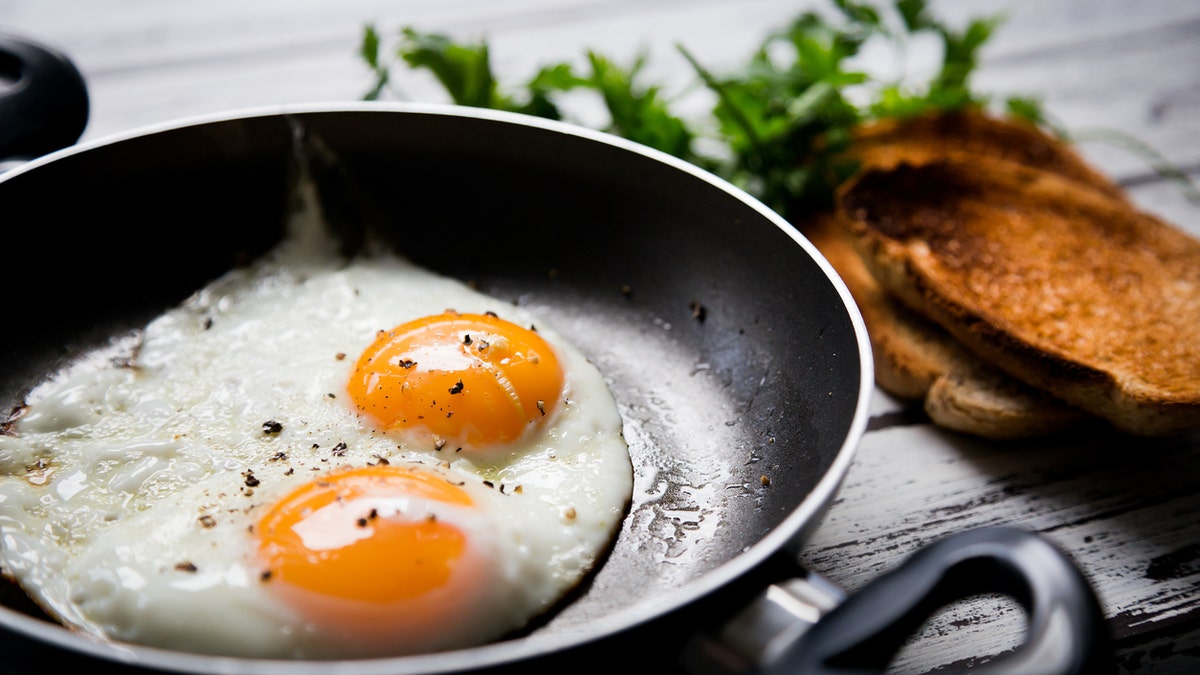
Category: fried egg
[314,458]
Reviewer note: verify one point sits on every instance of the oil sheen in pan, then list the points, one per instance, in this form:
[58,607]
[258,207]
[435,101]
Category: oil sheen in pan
[699,466]
[176,493]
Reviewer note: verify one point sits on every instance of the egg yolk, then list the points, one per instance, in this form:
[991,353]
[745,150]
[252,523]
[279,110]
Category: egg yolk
[369,534]
[473,380]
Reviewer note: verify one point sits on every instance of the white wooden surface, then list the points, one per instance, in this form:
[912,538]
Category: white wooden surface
[1126,509]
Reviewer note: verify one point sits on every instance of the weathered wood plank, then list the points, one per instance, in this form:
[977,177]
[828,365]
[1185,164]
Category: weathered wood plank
[148,62]
[1124,508]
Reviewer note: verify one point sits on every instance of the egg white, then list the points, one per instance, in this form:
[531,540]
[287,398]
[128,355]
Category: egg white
[130,484]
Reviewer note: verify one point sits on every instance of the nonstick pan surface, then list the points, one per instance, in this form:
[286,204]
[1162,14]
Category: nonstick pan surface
[739,363]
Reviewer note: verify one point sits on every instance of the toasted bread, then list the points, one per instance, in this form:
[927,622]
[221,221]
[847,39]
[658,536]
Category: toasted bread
[972,133]
[914,357]
[1066,288]
[917,359]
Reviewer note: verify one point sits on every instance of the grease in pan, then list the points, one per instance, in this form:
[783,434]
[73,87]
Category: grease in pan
[233,479]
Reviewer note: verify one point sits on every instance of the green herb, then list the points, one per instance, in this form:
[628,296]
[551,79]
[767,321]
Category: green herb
[637,112]
[780,123]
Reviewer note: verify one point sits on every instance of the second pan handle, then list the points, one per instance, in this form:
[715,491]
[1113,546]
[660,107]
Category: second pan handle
[43,99]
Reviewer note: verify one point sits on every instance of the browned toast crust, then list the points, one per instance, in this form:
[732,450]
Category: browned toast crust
[920,139]
[917,359]
[1061,285]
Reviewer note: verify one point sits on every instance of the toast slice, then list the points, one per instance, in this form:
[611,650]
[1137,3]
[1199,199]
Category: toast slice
[917,359]
[1066,288]
[970,132]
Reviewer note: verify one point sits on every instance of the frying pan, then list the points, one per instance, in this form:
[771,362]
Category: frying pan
[738,359]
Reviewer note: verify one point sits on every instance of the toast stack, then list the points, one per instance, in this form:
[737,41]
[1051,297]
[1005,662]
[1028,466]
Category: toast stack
[1012,288]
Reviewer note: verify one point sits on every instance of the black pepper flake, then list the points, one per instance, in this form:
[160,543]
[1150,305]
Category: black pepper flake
[340,356]
[208,323]
[186,566]
[698,311]
[466,338]
[265,576]
[279,456]
[483,345]
[406,363]
[491,314]
[331,395]
[457,388]
[290,471]
[361,522]
[541,405]
[488,483]
[207,521]
[251,481]
[271,427]
[339,450]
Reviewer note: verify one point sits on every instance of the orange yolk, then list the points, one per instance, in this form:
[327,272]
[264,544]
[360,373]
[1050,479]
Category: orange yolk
[471,380]
[348,536]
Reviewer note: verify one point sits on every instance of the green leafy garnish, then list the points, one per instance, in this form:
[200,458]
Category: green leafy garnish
[637,112]
[780,123]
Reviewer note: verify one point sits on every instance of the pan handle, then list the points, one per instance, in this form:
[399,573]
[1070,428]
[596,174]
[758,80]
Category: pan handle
[863,632]
[43,99]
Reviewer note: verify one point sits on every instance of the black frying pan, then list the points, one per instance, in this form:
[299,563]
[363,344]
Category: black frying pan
[734,352]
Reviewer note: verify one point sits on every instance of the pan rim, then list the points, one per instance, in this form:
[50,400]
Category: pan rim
[802,519]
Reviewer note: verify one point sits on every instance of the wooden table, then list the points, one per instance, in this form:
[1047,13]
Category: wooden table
[1125,509]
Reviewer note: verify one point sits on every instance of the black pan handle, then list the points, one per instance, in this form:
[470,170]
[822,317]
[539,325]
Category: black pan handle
[43,99]
[805,625]
[1066,630]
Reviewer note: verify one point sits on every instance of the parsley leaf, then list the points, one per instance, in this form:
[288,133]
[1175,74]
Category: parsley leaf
[783,120]
[638,113]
